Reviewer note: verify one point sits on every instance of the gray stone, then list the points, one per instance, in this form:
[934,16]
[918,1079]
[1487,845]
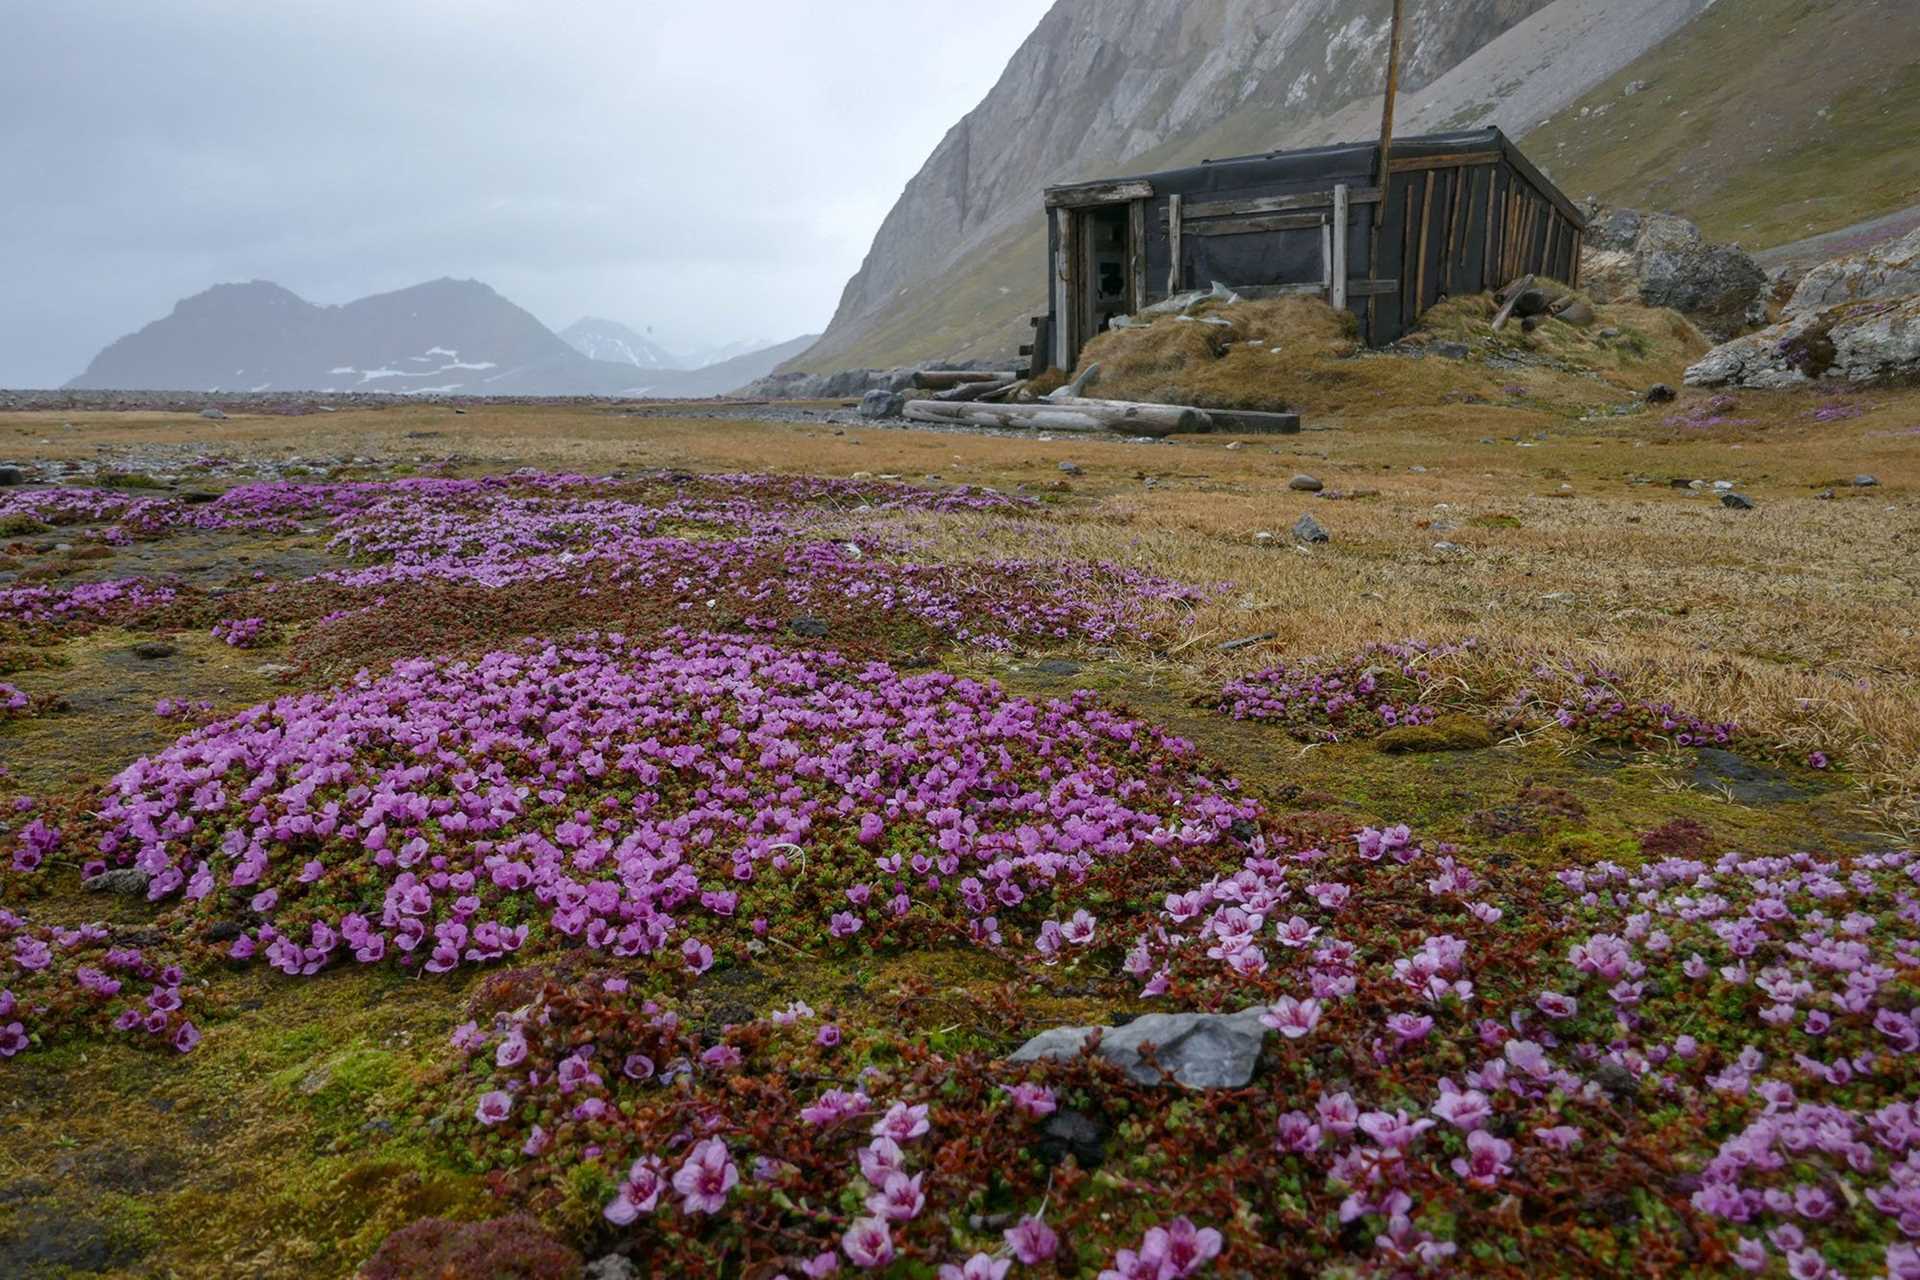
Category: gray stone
[1199,1050]
[881,403]
[1057,667]
[1865,482]
[123,882]
[1661,393]
[1664,261]
[1720,770]
[1448,350]
[213,414]
[10,476]
[1305,484]
[1858,343]
[808,628]
[612,1267]
[153,649]
[1736,502]
[1307,529]
[1072,1133]
[1889,271]
[1073,468]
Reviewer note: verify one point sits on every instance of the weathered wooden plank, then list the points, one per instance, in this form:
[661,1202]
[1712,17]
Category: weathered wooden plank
[1137,252]
[1447,259]
[1326,257]
[1575,281]
[938,379]
[1064,345]
[1313,200]
[1087,194]
[1414,164]
[1341,215]
[1426,227]
[1487,271]
[1176,227]
[1255,226]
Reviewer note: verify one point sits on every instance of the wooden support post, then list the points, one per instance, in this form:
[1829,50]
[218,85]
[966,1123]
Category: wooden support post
[1449,259]
[1063,344]
[1487,271]
[1137,252]
[1174,229]
[1575,282]
[1426,226]
[1326,258]
[1386,111]
[1338,292]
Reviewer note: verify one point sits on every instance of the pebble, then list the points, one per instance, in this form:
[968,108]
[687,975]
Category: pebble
[1073,469]
[1305,484]
[1865,482]
[1736,502]
[1307,529]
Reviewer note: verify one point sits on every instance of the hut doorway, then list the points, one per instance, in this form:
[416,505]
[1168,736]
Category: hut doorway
[1106,279]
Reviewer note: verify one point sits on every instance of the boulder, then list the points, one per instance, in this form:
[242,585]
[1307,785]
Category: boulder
[1858,343]
[1664,261]
[1889,271]
[882,403]
[1199,1050]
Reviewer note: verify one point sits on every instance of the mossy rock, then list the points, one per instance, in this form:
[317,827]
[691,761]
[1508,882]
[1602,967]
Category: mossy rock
[1447,733]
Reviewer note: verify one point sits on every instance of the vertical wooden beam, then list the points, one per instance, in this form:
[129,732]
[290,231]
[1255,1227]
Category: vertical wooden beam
[1489,272]
[1337,284]
[1426,226]
[1066,342]
[1326,258]
[1407,295]
[1386,110]
[1137,251]
[1449,262]
[1575,282]
[1173,233]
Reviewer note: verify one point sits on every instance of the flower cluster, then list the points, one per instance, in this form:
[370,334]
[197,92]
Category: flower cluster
[240,633]
[1381,686]
[59,981]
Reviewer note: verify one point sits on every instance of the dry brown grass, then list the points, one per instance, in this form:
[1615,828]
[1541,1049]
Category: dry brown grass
[1292,353]
[1797,619]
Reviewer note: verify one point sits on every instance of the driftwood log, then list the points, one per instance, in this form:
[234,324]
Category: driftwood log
[1101,416]
[1229,421]
[941,379]
[972,391]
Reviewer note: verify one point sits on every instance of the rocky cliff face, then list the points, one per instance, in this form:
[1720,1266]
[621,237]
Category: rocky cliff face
[1106,86]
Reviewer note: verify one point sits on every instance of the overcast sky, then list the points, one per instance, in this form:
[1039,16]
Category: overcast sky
[714,170]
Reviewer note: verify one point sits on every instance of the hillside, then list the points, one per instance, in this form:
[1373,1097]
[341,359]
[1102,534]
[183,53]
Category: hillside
[1100,89]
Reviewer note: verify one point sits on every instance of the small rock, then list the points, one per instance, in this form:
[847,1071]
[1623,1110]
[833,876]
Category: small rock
[1825,495]
[1307,529]
[10,476]
[861,475]
[1234,444]
[1722,486]
[1448,350]
[1447,548]
[1864,482]
[1073,469]
[1057,667]
[1305,484]
[612,1267]
[810,628]
[1736,502]
[1661,393]
[1633,87]
[1072,1133]
[154,649]
[213,415]
[1263,538]
[1418,470]
[1199,1050]
[122,882]
[1619,1083]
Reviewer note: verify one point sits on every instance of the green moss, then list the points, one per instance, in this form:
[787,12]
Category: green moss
[1447,733]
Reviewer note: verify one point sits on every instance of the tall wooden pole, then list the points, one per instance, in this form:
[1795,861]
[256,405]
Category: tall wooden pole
[1386,114]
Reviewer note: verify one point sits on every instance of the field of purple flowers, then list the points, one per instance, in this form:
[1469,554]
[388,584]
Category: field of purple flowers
[739,895]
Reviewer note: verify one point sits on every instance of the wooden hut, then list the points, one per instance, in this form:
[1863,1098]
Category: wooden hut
[1458,213]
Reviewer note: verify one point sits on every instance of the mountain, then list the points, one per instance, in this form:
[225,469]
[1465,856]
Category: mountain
[447,337]
[1110,87]
[616,343]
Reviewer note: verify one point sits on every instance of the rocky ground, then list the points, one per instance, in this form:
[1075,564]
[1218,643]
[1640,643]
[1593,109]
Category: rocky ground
[820,767]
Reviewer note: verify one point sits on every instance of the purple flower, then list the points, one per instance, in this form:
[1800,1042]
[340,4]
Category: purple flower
[868,1243]
[1032,1241]
[705,1178]
[493,1107]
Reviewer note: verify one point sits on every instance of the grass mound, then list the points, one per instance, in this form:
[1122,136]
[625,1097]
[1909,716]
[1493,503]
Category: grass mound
[1298,353]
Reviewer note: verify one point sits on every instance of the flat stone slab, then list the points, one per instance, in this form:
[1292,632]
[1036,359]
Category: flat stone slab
[1200,1050]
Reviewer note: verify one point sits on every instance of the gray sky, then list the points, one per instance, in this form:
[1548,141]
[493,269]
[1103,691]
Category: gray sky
[715,170]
